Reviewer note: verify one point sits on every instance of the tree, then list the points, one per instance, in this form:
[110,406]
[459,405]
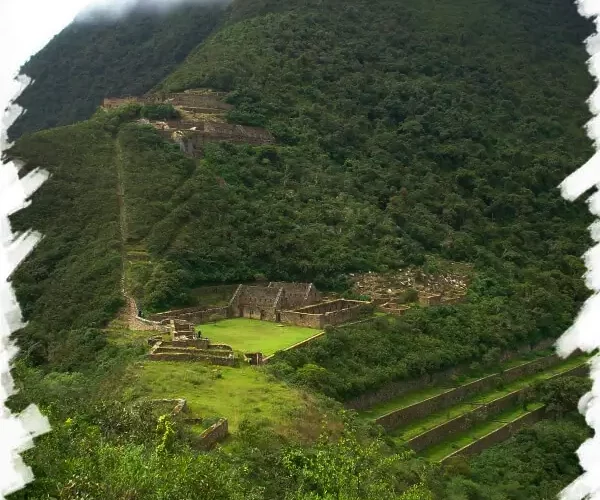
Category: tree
[561,395]
[345,468]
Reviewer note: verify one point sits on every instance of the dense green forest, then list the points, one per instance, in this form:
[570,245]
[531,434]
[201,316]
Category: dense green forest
[89,61]
[72,278]
[408,133]
[536,464]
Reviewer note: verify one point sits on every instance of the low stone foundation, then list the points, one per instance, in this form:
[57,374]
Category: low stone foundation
[180,405]
[196,343]
[215,433]
[171,351]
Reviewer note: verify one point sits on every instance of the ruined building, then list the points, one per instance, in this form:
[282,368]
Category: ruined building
[289,303]
[267,302]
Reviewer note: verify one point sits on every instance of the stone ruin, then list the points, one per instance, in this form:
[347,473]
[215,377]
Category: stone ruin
[280,302]
[210,436]
[299,304]
[187,345]
[202,122]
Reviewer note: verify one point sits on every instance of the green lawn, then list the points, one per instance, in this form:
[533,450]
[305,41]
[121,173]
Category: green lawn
[234,393]
[252,335]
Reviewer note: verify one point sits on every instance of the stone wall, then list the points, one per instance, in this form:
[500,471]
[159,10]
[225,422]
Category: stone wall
[313,295]
[115,102]
[220,347]
[257,296]
[479,414]
[213,435]
[344,315]
[302,319]
[255,358]
[292,300]
[408,414]
[290,286]
[187,356]
[173,313]
[257,312]
[219,131]
[397,388]
[582,370]
[464,422]
[499,435]
[197,343]
[511,428]
[144,325]
[194,315]
[160,352]
[331,306]
[529,368]
[296,346]
[197,101]
[430,299]
[258,302]
[334,312]
[395,311]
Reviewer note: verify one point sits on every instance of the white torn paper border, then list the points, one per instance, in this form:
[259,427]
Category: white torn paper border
[16,431]
[584,333]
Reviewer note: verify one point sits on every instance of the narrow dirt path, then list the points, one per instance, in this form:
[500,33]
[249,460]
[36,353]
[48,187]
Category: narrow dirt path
[130,312]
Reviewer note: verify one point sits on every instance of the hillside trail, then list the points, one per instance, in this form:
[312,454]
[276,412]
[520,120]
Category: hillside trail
[129,314]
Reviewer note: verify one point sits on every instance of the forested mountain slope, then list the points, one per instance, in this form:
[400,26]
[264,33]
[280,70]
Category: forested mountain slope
[90,60]
[426,128]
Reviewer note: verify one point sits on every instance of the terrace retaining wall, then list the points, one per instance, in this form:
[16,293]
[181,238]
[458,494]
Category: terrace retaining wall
[463,422]
[480,413]
[408,414]
[400,387]
[499,435]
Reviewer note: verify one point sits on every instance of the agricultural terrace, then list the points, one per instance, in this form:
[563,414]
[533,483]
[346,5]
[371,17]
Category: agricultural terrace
[252,335]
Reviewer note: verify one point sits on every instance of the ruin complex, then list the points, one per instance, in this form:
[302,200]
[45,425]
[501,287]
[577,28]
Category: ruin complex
[288,303]
[202,120]
[187,345]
